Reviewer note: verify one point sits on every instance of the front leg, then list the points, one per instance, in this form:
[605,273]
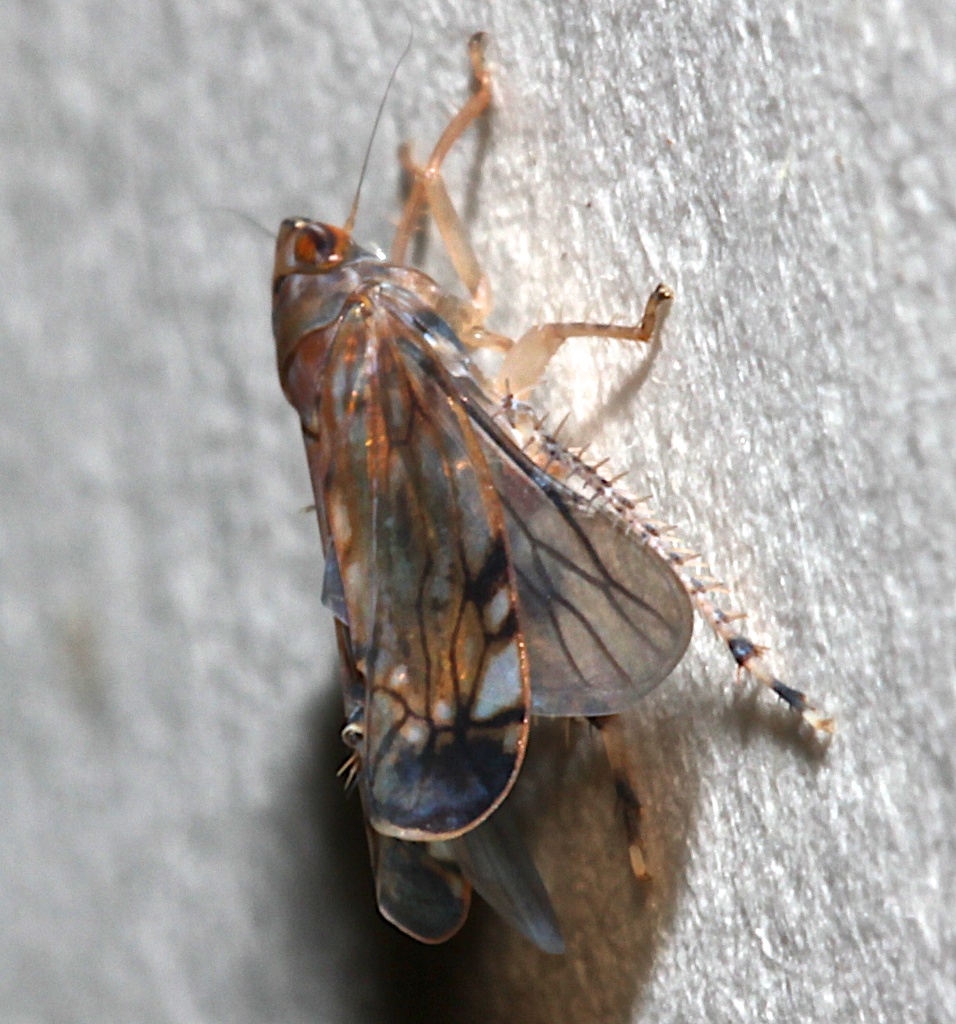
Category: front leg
[429,193]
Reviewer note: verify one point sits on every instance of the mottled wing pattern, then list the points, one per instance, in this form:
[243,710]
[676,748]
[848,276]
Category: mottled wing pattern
[604,617]
[424,897]
[424,889]
[420,543]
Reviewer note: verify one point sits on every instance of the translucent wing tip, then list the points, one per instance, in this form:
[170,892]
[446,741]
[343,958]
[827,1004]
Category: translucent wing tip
[494,858]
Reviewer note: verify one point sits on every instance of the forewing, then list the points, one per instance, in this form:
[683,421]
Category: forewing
[604,617]
[419,537]
[424,897]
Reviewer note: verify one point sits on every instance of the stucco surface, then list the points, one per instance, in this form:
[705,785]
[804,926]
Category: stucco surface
[173,846]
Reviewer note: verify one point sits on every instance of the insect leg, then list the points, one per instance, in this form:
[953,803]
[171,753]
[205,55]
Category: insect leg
[531,353]
[611,728]
[429,194]
[750,656]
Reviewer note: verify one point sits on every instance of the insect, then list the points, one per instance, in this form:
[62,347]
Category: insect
[479,573]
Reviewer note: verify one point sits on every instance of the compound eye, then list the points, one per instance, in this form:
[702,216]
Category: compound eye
[314,245]
[352,735]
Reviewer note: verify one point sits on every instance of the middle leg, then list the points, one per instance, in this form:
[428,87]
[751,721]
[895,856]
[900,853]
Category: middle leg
[527,359]
[611,728]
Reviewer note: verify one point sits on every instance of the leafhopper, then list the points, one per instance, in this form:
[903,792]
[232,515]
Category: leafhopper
[479,572]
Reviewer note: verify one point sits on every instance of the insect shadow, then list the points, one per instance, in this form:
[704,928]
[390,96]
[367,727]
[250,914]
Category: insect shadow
[564,800]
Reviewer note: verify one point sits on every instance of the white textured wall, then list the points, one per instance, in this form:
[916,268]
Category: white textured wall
[172,845]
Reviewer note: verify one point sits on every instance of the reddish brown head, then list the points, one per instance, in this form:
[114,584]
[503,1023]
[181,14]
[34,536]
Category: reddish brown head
[307,247]
[311,283]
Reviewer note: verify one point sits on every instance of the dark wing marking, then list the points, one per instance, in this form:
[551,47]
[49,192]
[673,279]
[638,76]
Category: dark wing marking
[424,897]
[421,896]
[604,617]
[420,542]
[494,858]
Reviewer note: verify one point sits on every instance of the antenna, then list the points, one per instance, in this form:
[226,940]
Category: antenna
[353,212]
